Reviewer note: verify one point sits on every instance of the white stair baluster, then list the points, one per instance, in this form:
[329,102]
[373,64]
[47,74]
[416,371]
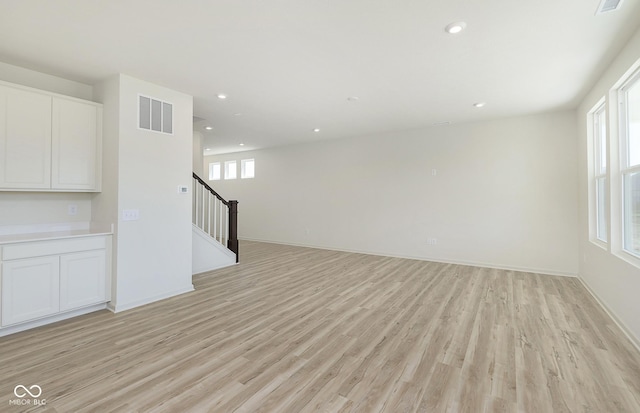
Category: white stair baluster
[226,226]
[209,213]
[221,222]
[215,214]
[202,206]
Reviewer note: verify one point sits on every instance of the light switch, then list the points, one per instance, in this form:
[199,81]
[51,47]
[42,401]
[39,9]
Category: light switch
[72,209]
[130,214]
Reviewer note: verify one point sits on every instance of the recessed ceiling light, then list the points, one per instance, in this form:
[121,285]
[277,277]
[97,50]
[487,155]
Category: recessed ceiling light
[316,130]
[222,96]
[242,144]
[237,114]
[455,28]
[207,149]
[442,123]
[353,98]
[479,104]
[208,127]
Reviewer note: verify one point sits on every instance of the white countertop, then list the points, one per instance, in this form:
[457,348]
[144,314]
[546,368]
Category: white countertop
[52,235]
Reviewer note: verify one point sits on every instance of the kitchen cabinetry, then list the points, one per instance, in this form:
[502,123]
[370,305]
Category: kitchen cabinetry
[25,139]
[49,142]
[76,135]
[29,289]
[82,279]
[50,277]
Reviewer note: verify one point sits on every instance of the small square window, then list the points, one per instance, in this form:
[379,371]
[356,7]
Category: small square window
[230,170]
[247,168]
[214,171]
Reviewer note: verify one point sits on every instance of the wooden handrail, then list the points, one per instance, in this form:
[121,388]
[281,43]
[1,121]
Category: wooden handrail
[232,206]
[203,183]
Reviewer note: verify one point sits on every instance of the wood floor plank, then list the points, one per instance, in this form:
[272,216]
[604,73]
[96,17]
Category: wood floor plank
[295,329]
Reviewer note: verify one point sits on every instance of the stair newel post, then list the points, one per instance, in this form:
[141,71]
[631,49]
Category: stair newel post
[232,242]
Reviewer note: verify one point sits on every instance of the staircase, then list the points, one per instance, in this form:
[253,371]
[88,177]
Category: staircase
[215,228]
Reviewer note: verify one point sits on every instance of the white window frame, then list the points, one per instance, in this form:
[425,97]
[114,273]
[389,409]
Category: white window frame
[230,170]
[600,184]
[244,173]
[215,171]
[626,170]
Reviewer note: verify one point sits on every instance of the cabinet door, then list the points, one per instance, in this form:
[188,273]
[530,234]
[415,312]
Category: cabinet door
[25,139]
[82,279]
[30,289]
[76,138]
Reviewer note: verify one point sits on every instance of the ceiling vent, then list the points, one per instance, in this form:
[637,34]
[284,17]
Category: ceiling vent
[608,5]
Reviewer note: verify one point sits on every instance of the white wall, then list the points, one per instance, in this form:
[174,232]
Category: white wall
[208,254]
[33,208]
[153,253]
[197,164]
[104,205]
[31,78]
[505,194]
[612,279]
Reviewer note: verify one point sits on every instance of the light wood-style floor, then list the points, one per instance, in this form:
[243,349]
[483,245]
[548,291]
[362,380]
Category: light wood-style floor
[301,330]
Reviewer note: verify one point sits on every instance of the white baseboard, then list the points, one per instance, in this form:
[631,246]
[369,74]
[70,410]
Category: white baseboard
[128,306]
[218,267]
[541,271]
[627,331]
[51,319]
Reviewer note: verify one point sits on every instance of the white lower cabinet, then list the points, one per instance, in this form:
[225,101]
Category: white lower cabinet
[30,289]
[47,278]
[82,279]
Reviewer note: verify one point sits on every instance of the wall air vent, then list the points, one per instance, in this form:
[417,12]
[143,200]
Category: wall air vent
[608,5]
[155,115]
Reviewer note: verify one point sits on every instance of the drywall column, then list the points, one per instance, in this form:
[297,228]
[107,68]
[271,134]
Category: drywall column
[152,254]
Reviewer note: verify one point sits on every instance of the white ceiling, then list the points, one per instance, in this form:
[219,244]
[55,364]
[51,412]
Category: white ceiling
[288,66]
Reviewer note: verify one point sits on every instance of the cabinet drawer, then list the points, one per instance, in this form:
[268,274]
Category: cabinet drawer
[42,248]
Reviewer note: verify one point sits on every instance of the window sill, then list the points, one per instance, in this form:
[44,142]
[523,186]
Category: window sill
[599,243]
[628,258]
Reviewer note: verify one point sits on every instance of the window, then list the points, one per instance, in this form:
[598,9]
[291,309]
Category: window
[214,171]
[247,168]
[630,163]
[600,171]
[155,115]
[230,170]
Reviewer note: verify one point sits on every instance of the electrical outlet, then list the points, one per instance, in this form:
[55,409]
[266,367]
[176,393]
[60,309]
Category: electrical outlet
[434,172]
[72,209]
[432,241]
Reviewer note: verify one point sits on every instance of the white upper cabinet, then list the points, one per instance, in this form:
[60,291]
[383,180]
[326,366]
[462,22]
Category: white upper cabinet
[25,139]
[49,142]
[76,135]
